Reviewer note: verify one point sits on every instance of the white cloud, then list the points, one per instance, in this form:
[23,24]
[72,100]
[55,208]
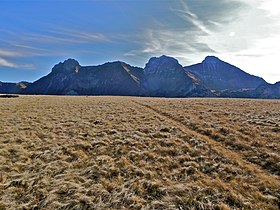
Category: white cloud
[272,6]
[8,53]
[6,63]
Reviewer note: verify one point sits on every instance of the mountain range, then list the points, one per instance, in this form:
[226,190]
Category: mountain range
[161,77]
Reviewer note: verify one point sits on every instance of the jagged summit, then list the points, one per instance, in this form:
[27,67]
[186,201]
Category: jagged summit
[69,65]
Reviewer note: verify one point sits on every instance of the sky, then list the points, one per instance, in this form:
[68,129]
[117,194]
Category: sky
[36,34]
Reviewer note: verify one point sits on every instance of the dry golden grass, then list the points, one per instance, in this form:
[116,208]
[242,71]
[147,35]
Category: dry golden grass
[139,153]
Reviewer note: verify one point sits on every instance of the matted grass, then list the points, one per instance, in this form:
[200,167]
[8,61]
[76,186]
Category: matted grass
[139,153]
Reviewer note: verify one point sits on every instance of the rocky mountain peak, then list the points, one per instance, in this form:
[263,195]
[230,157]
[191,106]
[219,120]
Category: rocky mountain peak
[69,65]
[162,63]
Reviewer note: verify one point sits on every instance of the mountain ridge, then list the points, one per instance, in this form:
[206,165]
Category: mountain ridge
[162,76]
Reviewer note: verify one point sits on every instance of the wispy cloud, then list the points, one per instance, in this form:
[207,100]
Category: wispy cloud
[182,42]
[65,36]
[191,17]
[51,42]
[5,63]
[8,53]
[8,57]
[217,27]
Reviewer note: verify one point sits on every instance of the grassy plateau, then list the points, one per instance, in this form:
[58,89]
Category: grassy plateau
[59,152]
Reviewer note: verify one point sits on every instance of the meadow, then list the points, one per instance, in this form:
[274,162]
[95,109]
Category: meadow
[63,152]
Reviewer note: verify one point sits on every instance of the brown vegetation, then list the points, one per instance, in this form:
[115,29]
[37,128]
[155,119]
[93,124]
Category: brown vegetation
[139,153]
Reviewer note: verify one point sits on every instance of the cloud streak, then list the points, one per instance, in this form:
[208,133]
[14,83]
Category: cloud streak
[5,63]
[7,55]
[191,17]
[8,64]
[52,42]
[66,37]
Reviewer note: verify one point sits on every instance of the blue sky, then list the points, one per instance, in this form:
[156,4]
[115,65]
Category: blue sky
[36,34]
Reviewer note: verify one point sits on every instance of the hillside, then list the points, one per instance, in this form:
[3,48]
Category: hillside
[139,153]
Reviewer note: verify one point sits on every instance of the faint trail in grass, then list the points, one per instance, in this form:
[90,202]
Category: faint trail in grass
[217,146]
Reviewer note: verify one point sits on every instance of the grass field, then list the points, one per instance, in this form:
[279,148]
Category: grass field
[139,153]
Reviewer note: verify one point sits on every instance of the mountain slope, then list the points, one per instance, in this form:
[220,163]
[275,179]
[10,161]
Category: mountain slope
[219,75]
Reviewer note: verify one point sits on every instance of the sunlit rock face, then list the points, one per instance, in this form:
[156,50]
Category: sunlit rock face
[219,75]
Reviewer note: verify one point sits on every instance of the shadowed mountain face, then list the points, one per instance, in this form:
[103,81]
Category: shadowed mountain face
[69,78]
[162,76]
[219,75]
[13,88]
